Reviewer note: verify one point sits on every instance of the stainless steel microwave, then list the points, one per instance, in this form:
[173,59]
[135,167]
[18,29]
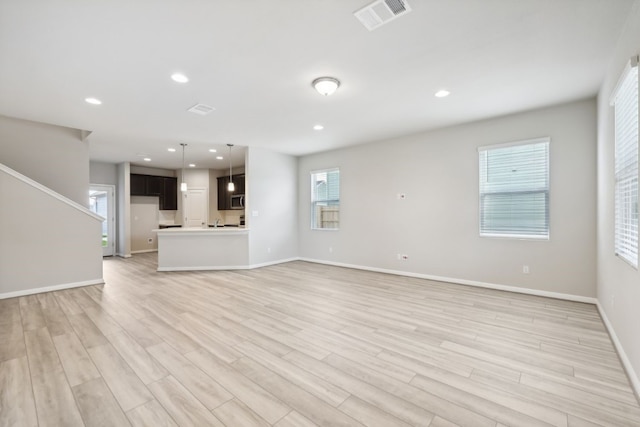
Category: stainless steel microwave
[237,201]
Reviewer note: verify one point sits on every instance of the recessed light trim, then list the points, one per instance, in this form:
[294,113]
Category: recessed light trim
[212,150]
[171,150]
[192,165]
[219,157]
[442,93]
[93,101]
[179,78]
[318,127]
[147,159]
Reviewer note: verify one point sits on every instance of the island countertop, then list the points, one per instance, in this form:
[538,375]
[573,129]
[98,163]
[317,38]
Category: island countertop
[201,230]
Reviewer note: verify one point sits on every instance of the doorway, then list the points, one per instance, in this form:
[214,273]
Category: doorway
[102,202]
[196,207]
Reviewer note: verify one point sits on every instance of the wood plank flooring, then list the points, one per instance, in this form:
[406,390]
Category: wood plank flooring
[300,345]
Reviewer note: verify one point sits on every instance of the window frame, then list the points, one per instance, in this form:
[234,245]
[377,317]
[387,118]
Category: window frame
[623,171]
[312,217]
[547,192]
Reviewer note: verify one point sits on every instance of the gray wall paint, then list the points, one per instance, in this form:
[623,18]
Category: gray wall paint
[618,283]
[124,210]
[45,242]
[437,224]
[271,191]
[103,173]
[54,156]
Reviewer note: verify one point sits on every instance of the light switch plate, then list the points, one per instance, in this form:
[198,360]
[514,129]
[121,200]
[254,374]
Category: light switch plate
[254,213]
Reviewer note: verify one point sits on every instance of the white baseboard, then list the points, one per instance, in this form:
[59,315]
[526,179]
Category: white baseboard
[266,264]
[227,267]
[123,255]
[516,289]
[205,268]
[51,288]
[631,373]
[144,251]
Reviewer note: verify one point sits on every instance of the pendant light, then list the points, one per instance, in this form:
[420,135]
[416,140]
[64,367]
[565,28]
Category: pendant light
[183,184]
[231,187]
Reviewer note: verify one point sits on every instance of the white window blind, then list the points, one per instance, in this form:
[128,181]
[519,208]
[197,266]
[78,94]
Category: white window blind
[325,199]
[514,189]
[626,167]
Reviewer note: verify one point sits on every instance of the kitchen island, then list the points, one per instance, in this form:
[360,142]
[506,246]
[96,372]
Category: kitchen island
[221,248]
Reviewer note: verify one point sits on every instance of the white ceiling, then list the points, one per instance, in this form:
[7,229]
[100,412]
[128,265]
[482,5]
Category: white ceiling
[254,60]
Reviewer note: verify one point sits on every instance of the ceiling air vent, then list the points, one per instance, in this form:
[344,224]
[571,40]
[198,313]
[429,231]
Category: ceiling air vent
[380,12]
[201,109]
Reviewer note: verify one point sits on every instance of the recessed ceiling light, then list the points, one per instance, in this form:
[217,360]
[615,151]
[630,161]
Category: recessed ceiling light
[172,150]
[219,157]
[93,101]
[442,93]
[192,165]
[146,159]
[318,127]
[179,78]
[212,150]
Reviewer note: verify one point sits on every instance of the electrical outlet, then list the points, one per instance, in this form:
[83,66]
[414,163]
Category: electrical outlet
[330,249]
[525,269]
[399,257]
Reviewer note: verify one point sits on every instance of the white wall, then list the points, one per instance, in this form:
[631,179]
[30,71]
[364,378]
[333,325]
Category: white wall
[46,243]
[618,283]
[53,156]
[437,224]
[271,192]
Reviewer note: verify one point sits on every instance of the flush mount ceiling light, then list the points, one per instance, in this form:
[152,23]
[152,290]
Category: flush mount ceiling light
[442,93]
[219,157]
[179,78]
[318,127]
[326,85]
[93,101]
[192,165]
[147,159]
[183,185]
[231,187]
[171,150]
[212,150]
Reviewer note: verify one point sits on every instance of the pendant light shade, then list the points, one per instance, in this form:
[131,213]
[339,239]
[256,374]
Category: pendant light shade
[183,184]
[231,186]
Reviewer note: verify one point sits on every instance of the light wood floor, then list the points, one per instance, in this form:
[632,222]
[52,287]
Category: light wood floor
[299,345]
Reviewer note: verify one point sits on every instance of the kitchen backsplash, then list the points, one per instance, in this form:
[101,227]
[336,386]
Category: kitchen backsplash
[167,217]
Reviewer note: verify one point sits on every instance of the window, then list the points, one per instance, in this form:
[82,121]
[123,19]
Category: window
[325,199]
[626,166]
[514,189]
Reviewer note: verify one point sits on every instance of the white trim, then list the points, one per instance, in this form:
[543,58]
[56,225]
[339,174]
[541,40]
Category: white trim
[234,267]
[508,288]
[51,288]
[631,373]
[268,263]
[144,251]
[539,140]
[50,192]
[631,63]
[123,255]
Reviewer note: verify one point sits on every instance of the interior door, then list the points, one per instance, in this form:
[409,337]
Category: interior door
[196,207]
[102,202]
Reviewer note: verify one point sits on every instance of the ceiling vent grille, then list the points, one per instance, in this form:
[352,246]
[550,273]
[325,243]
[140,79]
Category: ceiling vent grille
[380,12]
[201,109]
